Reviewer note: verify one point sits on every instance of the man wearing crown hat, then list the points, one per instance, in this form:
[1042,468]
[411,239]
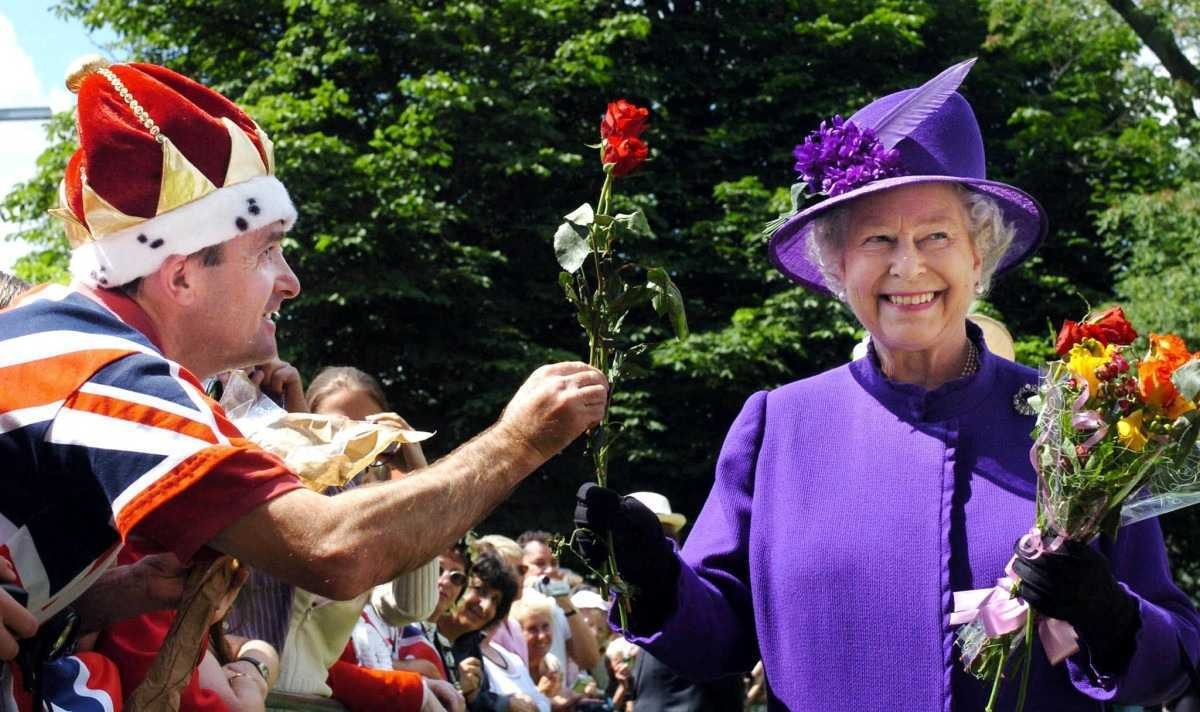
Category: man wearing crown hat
[850,506]
[176,220]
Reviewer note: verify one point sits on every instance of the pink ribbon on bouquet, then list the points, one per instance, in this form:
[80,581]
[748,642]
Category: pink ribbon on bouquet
[999,611]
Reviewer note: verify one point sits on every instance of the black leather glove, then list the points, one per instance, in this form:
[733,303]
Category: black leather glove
[1075,584]
[645,558]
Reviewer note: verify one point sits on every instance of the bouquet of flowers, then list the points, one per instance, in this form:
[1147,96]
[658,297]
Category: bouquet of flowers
[1111,433]
[605,288]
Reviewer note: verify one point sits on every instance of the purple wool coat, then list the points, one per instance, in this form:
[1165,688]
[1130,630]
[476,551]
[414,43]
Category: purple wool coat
[845,511]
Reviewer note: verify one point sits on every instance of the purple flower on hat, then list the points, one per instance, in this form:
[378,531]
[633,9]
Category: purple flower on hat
[840,156]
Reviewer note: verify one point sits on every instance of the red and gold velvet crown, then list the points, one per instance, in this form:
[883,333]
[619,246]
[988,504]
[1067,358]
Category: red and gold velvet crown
[165,166]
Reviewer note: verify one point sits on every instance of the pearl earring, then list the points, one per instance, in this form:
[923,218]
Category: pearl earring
[978,288]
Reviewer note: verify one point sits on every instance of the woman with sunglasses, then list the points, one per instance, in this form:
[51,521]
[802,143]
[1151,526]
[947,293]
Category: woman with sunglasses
[415,647]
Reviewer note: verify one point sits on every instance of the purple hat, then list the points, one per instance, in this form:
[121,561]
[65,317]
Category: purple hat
[923,135]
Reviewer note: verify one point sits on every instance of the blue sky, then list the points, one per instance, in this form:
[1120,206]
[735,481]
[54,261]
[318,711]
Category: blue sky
[36,47]
[51,43]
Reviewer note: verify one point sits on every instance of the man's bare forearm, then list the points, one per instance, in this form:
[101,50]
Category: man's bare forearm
[341,546]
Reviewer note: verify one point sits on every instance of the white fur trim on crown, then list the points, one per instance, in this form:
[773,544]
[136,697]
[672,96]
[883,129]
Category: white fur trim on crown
[217,217]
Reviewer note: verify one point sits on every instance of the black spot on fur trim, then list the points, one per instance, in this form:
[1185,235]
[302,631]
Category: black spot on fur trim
[241,224]
[254,209]
[156,244]
[142,239]
[251,201]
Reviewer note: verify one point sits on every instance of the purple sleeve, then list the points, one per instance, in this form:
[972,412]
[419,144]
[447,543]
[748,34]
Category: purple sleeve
[1170,627]
[711,630]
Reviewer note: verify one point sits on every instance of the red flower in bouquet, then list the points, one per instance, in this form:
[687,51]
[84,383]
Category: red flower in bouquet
[1111,327]
[623,119]
[1167,353]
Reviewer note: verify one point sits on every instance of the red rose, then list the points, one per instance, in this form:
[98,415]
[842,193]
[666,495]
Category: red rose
[1111,327]
[623,119]
[625,153]
[1070,334]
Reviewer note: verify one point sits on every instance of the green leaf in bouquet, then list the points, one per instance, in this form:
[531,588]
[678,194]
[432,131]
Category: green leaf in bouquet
[667,300]
[1187,379]
[571,247]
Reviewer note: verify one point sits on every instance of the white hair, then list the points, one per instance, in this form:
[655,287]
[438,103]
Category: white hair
[988,230]
[531,603]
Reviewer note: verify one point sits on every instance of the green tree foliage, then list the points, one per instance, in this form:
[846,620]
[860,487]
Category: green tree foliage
[433,147]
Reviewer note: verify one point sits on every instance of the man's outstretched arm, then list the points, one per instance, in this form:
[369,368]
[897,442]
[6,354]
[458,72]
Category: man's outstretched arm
[341,546]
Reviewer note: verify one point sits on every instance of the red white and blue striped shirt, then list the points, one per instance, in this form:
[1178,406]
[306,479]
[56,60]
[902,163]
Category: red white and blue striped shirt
[102,438]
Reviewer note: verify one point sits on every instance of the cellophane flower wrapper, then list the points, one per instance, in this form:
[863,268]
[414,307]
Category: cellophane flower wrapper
[1170,488]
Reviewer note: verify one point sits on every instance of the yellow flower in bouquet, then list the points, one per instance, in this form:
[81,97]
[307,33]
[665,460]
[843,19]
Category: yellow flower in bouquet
[1087,356]
[1130,433]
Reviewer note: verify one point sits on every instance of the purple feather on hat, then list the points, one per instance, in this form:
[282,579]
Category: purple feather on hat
[906,116]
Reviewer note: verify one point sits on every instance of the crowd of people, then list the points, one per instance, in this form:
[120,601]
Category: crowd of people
[155,556]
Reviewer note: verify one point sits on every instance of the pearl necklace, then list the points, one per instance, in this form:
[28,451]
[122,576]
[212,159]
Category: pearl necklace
[971,365]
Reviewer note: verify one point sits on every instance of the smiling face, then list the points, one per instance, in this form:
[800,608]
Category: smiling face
[451,570]
[910,267]
[230,315]
[539,634]
[478,606]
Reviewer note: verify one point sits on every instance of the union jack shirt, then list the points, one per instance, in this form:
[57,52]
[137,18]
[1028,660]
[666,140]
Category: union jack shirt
[102,438]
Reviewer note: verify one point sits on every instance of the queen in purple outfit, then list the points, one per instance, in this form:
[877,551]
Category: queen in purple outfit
[849,506]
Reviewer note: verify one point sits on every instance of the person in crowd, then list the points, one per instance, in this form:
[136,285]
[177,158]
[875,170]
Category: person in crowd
[593,608]
[348,391]
[574,643]
[491,589]
[535,613]
[541,561]
[621,656]
[416,647]
[849,506]
[507,673]
[176,222]
[508,633]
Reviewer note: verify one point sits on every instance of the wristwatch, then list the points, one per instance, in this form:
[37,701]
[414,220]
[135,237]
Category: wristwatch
[259,665]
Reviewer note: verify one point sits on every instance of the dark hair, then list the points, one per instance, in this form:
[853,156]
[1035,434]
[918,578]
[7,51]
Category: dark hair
[332,379]
[210,256]
[538,535]
[10,287]
[494,574]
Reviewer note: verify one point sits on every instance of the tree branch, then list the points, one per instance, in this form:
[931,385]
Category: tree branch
[1161,42]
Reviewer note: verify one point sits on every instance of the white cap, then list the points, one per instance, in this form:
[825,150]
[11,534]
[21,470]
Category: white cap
[659,504]
[588,599]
